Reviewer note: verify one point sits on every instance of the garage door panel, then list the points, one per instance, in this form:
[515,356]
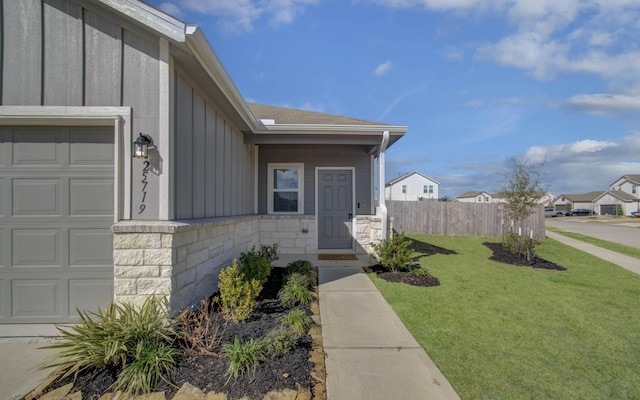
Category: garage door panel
[37,147]
[33,196]
[89,294]
[56,212]
[36,247]
[90,247]
[91,196]
[35,298]
[91,146]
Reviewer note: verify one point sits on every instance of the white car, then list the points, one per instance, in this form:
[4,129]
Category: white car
[552,212]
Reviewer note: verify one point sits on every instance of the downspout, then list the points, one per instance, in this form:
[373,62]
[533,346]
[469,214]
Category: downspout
[381,182]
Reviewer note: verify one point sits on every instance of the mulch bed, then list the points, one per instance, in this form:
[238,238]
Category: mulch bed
[502,255]
[402,276]
[207,372]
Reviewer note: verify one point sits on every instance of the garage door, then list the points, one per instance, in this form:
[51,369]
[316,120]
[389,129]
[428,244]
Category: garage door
[56,212]
[608,209]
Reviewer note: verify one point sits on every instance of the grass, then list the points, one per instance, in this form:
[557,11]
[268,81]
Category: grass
[499,331]
[620,248]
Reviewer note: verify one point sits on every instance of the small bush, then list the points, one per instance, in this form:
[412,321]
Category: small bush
[299,321]
[393,253]
[197,331]
[137,340]
[237,295]
[517,244]
[299,266]
[256,264]
[243,356]
[295,291]
[278,342]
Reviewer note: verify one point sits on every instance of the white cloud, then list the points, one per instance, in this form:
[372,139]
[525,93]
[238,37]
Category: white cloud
[382,68]
[171,9]
[240,15]
[454,54]
[603,104]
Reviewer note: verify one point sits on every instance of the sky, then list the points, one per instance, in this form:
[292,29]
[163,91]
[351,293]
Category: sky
[552,83]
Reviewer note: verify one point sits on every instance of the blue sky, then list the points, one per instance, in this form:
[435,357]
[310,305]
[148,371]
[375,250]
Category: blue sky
[476,81]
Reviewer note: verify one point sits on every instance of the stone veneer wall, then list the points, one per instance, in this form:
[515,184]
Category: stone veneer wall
[368,230]
[182,259]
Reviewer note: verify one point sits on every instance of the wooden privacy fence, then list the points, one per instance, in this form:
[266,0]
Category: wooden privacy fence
[460,219]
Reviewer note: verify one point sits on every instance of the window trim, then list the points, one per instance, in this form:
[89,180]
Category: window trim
[270,190]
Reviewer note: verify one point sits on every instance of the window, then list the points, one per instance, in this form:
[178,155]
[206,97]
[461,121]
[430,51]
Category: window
[404,188]
[634,189]
[425,189]
[285,189]
[479,199]
[431,189]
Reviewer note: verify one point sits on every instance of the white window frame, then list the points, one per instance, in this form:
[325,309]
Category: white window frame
[404,189]
[425,189]
[270,190]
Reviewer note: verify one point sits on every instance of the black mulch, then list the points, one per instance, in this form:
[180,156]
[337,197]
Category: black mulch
[503,255]
[207,372]
[403,276]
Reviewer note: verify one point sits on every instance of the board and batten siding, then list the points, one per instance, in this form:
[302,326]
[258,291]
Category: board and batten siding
[313,156]
[214,167]
[66,53]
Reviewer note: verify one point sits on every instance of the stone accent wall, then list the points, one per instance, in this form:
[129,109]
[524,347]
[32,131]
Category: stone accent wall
[294,234]
[182,259]
[368,230]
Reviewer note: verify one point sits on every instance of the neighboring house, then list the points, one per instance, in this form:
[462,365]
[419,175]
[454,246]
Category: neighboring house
[614,202]
[545,198]
[412,186]
[84,222]
[475,197]
[566,202]
[627,183]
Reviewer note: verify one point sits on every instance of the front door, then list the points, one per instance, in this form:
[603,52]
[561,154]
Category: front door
[335,209]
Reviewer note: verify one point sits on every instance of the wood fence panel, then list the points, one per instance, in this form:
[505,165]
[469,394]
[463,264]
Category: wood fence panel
[461,219]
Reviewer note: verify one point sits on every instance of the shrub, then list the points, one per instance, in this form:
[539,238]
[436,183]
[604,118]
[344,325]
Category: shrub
[135,339]
[517,244]
[278,342]
[295,291]
[197,331]
[243,356]
[299,321]
[237,295]
[393,253]
[256,264]
[299,266]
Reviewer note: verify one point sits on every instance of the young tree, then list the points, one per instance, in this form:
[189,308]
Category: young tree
[522,188]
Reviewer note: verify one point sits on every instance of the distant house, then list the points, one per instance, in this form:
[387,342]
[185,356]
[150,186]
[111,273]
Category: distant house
[475,197]
[87,217]
[616,203]
[566,202]
[546,198]
[412,186]
[627,183]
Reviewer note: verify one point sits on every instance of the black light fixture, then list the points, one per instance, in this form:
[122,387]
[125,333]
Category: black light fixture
[141,146]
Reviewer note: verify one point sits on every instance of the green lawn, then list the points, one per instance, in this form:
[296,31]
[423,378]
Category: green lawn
[498,331]
[620,248]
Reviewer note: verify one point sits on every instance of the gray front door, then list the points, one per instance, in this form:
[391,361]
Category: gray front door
[56,212]
[335,208]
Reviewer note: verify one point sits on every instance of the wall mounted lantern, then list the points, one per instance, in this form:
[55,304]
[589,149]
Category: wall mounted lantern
[141,146]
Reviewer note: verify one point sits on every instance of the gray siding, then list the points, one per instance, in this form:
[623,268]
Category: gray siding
[214,168]
[317,156]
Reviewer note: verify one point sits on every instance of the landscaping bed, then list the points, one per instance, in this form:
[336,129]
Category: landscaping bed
[503,255]
[208,370]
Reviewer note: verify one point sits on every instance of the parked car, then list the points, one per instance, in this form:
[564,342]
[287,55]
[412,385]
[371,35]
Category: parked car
[580,211]
[552,212]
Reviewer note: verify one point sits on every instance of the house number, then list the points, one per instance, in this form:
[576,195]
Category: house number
[145,172]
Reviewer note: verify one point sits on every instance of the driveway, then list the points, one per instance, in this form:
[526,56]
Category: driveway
[627,232]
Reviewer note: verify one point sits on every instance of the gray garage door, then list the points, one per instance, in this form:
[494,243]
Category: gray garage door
[608,209]
[56,210]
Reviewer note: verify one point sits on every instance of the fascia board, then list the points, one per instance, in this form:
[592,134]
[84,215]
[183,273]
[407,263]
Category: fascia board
[202,50]
[284,129]
[146,15]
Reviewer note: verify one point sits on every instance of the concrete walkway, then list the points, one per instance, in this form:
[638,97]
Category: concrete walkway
[369,353]
[626,262]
